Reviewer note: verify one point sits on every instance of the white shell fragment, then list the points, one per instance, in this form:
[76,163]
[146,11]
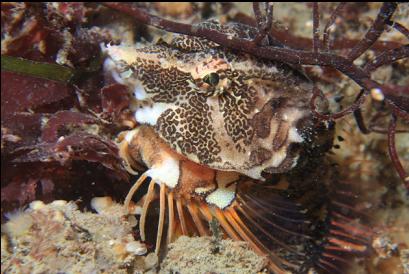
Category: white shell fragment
[136,248]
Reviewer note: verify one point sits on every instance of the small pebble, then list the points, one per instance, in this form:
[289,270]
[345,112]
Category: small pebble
[58,203]
[37,205]
[136,248]
[377,94]
[100,204]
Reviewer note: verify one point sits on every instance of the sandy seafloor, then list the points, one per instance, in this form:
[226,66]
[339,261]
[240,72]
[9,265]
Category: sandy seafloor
[105,243]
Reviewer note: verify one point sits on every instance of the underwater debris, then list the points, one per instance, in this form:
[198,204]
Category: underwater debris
[384,247]
[404,257]
[217,235]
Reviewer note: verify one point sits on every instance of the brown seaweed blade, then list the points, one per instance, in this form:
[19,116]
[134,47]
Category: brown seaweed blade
[37,69]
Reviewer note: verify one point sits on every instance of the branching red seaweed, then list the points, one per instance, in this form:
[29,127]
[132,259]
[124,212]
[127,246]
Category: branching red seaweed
[330,23]
[374,32]
[264,24]
[393,154]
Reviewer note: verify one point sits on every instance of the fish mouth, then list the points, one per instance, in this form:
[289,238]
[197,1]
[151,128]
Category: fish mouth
[132,56]
[120,53]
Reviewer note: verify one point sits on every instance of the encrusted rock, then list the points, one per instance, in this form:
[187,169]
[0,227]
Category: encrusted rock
[57,237]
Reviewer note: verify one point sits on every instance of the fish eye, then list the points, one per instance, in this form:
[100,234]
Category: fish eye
[211,79]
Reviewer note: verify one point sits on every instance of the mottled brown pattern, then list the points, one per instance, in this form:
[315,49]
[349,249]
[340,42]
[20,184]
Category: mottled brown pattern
[281,135]
[192,44]
[261,120]
[189,129]
[236,113]
[229,125]
[164,84]
[260,155]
